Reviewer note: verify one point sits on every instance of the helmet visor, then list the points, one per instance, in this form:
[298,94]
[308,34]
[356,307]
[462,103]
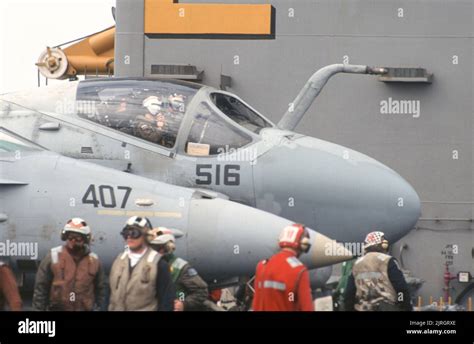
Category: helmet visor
[133,233]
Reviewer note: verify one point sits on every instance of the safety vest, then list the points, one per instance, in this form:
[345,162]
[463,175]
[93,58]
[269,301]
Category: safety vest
[8,289]
[135,291]
[276,283]
[176,267]
[73,287]
[2,297]
[373,284]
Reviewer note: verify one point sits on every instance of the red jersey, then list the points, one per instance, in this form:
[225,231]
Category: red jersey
[282,284]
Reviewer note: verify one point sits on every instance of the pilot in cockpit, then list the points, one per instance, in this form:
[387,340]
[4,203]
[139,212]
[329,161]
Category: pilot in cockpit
[147,125]
[122,105]
[177,102]
[123,116]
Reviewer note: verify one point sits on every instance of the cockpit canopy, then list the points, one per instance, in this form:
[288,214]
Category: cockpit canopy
[208,121]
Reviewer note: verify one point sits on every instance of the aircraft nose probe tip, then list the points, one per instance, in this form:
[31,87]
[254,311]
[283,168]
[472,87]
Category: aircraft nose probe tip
[325,251]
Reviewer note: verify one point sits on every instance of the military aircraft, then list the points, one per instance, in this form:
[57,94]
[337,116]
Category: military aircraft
[40,190]
[197,136]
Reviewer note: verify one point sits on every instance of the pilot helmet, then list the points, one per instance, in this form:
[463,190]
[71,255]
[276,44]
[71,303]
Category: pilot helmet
[177,102]
[153,104]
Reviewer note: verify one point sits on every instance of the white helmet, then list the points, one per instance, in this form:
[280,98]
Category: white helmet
[143,223]
[177,102]
[161,236]
[153,104]
[76,225]
[375,238]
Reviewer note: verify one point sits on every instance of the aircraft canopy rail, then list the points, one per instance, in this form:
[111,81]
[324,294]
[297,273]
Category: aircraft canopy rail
[10,143]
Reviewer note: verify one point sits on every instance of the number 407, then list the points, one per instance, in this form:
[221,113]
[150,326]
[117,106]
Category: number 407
[107,197]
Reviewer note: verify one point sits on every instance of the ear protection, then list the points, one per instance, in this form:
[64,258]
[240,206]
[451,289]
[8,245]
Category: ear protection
[295,236]
[305,243]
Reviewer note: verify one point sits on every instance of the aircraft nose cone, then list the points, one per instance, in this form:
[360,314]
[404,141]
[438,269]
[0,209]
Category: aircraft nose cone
[376,198]
[337,191]
[405,211]
[391,201]
[230,237]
